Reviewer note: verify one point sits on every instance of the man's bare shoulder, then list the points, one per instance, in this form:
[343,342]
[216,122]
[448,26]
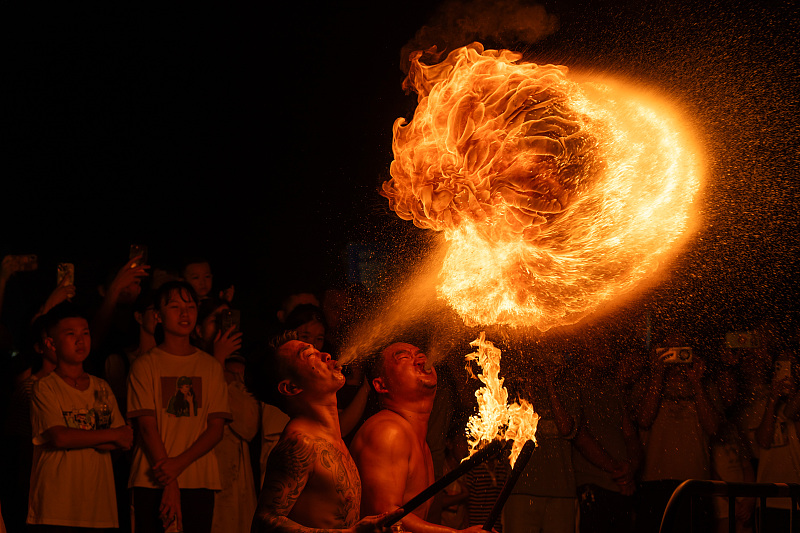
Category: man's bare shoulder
[297,447]
[385,428]
[302,426]
[386,421]
[293,452]
[306,438]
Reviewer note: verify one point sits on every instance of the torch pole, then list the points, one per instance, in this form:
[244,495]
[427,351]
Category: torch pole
[519,466]
[491,449]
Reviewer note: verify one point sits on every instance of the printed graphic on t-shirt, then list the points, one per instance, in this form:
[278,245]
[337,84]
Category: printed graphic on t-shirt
[182,395]
[80,418]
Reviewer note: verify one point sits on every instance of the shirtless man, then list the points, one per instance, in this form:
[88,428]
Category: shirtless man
[390,450]
[311,482]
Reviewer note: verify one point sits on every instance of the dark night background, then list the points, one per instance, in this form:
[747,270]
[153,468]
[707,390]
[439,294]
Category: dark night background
[259,137]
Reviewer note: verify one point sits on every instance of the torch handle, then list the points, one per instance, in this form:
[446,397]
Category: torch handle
[505,492]
[491,449]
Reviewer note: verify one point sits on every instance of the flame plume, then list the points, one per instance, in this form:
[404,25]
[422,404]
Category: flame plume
[496,418]
[554,196]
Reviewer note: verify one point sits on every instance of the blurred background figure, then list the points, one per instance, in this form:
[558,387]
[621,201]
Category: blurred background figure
[680,410]
[777,438]
[235,504]
[455,501]
[607,451]
[544,499]
[197,272]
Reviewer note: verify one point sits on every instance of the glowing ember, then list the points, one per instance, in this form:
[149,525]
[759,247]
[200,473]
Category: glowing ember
[554,195]
[496,418]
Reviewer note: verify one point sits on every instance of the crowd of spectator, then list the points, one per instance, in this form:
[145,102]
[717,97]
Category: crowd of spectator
[624,418]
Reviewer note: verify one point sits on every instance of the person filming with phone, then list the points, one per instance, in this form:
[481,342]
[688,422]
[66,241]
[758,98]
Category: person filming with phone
[778,442]
[679,410]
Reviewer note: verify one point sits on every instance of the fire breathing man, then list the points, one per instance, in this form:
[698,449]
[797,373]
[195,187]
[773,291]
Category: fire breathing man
[390,450]
[311,481]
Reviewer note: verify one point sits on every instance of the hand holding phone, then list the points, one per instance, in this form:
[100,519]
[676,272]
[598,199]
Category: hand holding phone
[140,251]
[229,318]
[65,274]
[228,341]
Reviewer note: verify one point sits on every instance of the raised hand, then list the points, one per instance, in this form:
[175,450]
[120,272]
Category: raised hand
[227,343]
[12,264]
[131,273]
[64,291]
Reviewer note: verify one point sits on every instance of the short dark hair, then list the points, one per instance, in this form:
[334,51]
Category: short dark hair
[272,371]
[163,293]
[40,326]
[374,365]
[296,290]
[145,299]
[61,312]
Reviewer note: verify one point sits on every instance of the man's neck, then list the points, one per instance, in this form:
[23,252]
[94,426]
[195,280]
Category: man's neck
[417,413]
[73,371]
[323,412]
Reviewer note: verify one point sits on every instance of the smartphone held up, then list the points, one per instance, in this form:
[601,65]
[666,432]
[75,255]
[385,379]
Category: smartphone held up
[678,355]
[229,318]
[140,251]
[65,273]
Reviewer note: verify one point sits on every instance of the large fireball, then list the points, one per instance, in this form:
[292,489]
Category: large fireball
[554,195]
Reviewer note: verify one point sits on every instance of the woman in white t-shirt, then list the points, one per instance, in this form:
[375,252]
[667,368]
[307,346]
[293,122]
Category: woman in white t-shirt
[172,468]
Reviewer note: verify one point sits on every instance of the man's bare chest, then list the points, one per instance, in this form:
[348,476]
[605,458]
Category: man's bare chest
[420,471]
[336,475]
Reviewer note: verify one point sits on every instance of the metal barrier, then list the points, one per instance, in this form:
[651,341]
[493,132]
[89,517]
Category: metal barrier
[697,487]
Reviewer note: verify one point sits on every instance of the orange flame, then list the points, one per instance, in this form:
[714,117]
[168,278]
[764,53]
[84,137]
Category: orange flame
[555,196]
[496,418]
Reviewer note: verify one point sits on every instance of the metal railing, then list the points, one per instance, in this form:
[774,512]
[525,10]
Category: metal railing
[697,487]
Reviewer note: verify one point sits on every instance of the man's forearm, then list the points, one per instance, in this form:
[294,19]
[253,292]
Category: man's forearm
[588,445]
[650,404]
[708,416]
[766,429]
[73,438]
[151,439]
[204,444]
[632,443]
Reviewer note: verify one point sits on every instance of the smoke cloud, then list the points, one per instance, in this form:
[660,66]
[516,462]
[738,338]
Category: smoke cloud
[498,23]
